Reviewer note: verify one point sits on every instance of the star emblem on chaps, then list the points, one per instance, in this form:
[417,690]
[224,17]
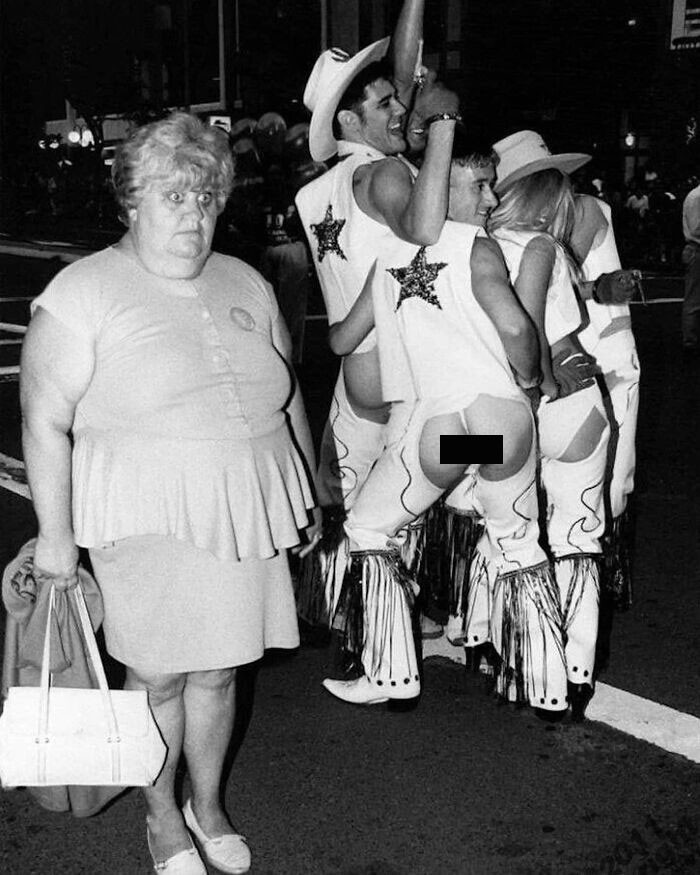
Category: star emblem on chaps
[327,233]
[418,279]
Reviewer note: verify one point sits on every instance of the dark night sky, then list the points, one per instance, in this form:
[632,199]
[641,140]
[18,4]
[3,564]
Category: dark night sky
[566,67]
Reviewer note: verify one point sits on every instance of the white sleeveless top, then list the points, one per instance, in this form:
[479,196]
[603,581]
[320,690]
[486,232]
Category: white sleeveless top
[606,319]
[434,337]
[562,314]
[344,240]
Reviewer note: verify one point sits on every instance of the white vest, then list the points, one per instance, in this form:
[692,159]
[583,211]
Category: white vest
[562,313]
[432,332]
[344,240]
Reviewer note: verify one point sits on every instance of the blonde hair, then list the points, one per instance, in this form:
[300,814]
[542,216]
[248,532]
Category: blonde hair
[180,150]
[542,202]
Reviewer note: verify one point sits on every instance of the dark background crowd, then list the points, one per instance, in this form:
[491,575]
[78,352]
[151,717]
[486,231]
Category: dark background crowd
[65,187]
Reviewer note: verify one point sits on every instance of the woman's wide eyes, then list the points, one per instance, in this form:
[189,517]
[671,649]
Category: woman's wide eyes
[203,197]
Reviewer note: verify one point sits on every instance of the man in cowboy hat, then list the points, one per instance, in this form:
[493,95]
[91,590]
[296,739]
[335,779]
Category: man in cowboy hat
[368,197]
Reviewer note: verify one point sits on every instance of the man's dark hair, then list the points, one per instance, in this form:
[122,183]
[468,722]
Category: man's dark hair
[472,147]
[355,94]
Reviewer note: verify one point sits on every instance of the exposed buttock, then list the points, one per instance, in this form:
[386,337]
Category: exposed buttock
[363,382]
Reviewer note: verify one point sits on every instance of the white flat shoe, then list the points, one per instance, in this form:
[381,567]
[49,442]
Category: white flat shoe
[229,853]
[360,691]
[186,862]
[364,691]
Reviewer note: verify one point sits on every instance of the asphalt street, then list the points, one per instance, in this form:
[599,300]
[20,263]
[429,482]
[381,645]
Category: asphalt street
[462,784]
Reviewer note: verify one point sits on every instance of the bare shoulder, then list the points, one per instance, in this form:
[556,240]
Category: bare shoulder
[487,256]
[383,173]
[540,248]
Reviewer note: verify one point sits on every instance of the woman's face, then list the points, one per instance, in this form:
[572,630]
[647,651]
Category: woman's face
[172,229]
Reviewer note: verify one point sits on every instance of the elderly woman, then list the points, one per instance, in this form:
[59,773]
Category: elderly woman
[163,432]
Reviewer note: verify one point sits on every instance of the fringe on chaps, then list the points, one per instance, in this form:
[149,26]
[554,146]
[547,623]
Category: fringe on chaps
[377,600]
[321,572]
[527,635]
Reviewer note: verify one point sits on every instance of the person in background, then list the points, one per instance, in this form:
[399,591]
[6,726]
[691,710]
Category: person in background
[690,313]
[164,431]
[606,289]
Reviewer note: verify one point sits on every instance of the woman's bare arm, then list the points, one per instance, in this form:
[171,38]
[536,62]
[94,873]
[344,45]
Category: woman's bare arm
[531,287]
[56,370]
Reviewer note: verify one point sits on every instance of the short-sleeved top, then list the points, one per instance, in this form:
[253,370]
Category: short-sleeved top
[562,312]
[435,340]
[182,429]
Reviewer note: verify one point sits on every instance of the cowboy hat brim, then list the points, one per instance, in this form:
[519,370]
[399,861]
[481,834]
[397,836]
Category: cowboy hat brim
[322,143]
[567,162]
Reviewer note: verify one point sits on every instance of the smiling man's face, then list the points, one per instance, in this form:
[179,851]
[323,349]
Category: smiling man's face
[471,194]
[382,121]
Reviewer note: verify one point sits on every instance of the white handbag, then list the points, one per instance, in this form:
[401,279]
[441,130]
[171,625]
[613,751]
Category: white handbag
[61,735]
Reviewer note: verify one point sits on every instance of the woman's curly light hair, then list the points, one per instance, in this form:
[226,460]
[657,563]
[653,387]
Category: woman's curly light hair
[179,150]
[543,202]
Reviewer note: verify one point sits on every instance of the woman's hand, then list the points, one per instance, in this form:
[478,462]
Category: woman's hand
[313,534]
[56,562]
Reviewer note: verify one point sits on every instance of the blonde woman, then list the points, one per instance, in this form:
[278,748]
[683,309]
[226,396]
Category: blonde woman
[532,225]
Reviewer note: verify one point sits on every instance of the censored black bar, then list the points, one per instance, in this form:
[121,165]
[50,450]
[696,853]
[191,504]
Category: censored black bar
[471,449]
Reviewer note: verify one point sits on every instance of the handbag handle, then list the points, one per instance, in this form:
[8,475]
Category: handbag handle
[89,635]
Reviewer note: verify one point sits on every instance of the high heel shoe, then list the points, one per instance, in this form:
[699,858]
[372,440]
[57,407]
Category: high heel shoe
[579,697]
[229,853]
[186,862]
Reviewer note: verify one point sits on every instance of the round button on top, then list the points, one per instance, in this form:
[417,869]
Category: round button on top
[242,318]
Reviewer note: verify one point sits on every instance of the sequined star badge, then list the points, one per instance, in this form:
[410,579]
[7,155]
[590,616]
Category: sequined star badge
[327,233]
[418,279]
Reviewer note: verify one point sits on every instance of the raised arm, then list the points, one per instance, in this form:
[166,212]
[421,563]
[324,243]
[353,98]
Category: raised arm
[404,47]
[531,288]
[56,370]
[491,288]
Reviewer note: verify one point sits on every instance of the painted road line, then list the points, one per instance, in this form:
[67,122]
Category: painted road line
[671,730]
[13,475]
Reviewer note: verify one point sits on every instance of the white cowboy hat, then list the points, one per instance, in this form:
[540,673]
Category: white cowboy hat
[525,152]
[331,75]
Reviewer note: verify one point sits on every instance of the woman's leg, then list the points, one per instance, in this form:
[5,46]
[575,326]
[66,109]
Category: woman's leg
[167,831]
[209,703]
[525,622]
[573,475]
